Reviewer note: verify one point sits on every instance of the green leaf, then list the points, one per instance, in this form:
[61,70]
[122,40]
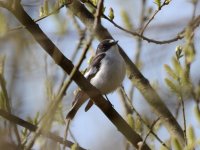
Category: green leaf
[170,72]
[111,14]
[167,2]
[179,51]
[172,86]
[158,3]
[138,124]
[3,25]
[191,136]
[74,146]
[126,20]
[36,118]
[94,2]
[176,144]
[46,7]
[42,11]
[177,67]
[130,120]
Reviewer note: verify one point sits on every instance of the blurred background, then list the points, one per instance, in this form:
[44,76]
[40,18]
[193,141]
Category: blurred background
[32,76]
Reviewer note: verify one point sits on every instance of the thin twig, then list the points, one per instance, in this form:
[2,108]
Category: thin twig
[142,120]
[139,44]
[177,110]
[66,132]
[155,13]
[151,129]
[43,17]
[8,105]
[178,36]
[135,33]
[194,8]
[180,97]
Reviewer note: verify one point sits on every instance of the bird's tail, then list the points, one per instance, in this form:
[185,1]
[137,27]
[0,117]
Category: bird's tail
[80,98]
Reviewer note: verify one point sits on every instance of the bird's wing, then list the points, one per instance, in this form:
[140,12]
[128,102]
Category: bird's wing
[93,69]
[94,66]
[81,96]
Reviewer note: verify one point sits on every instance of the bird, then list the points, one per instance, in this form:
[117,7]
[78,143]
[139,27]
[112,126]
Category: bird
[106,72]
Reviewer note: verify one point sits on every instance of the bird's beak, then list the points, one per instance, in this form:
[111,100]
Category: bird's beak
[115,42]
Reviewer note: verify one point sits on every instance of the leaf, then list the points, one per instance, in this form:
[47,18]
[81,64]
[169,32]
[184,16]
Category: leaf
[126,20]
[191,137]
[158,3]
[36,118]
[3,25]
[42,11]
[177,67]
[179,51]
[138,124]
[130,120]
[74,147]
[170,72]
[176,144]
[46,7]
[172,86]
[111,13]
[167,2]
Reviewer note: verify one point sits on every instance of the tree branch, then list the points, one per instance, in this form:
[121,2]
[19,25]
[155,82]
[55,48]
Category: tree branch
[16,120]
[138,80]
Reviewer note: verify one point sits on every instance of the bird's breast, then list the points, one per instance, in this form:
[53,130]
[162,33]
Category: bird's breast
[110,74]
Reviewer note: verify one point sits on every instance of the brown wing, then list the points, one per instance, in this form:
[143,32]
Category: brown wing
[80,98]
[94,66]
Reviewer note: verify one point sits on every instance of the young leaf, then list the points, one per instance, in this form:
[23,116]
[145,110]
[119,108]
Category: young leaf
[74,147]
[127,20]
[167,2]
[172,86]
[179,51]
[158,3]
[176,144]
[130,120]
[111,14]
[177,66]
[46,7]
[191,136]
[3,25]
[170,72]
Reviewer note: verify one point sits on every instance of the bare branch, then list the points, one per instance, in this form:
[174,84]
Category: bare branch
[16,120]
[155,13]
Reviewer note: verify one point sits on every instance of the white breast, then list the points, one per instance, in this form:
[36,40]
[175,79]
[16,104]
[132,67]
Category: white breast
[111,73]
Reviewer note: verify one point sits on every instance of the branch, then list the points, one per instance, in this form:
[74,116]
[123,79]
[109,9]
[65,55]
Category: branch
[152,17]
[83,83]
[16,120]
[178,36]
[137,79]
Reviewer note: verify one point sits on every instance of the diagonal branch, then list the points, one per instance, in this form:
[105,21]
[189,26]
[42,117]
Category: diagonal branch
[67,65]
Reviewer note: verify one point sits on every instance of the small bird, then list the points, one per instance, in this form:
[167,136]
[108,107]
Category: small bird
[106,72]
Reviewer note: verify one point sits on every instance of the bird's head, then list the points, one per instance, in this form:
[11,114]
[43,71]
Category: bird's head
[106,45]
